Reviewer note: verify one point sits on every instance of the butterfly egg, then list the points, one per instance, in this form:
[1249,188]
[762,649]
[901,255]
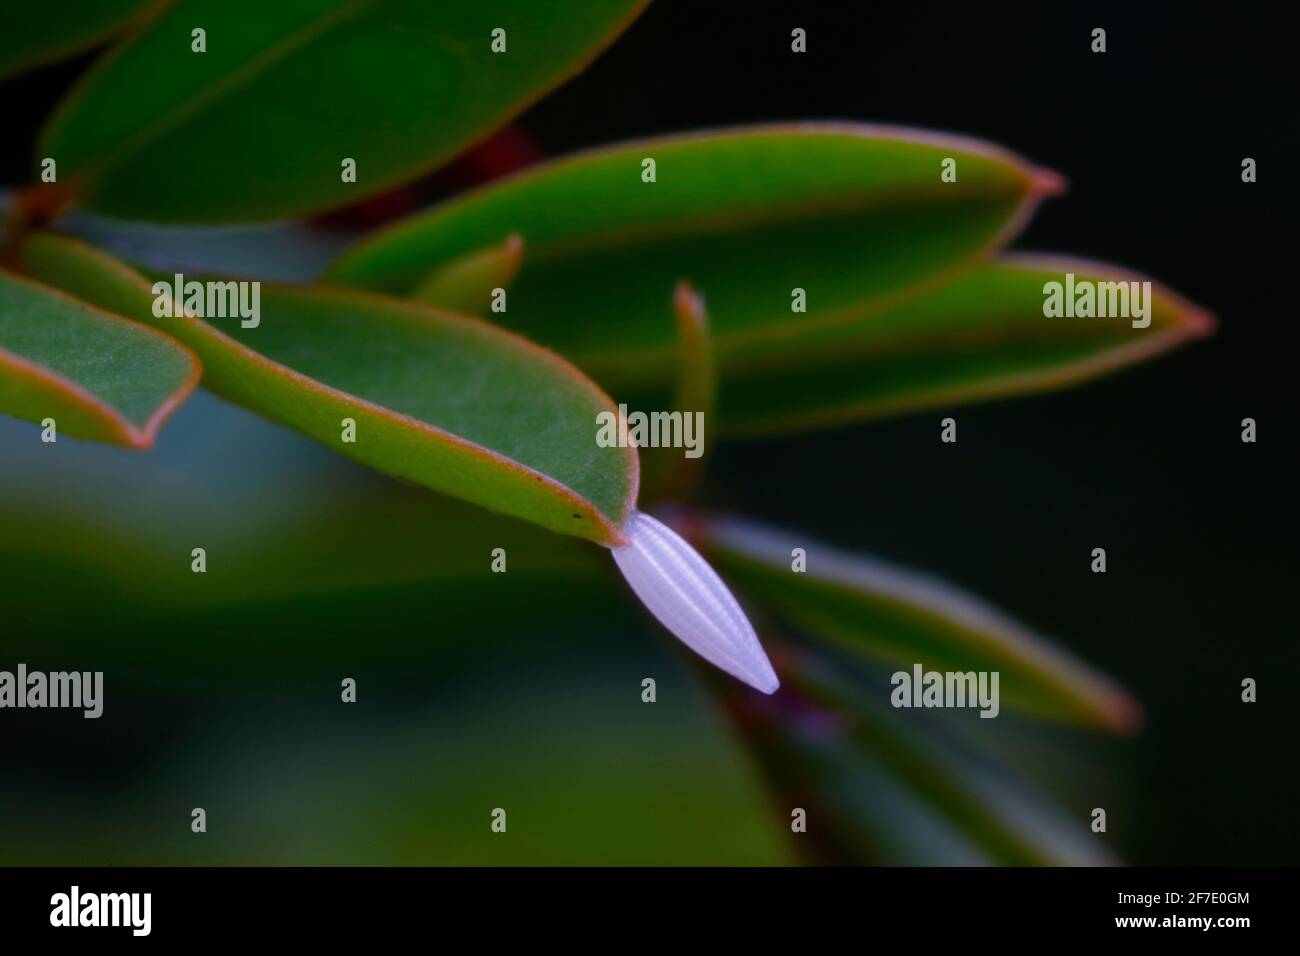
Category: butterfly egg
[687,596]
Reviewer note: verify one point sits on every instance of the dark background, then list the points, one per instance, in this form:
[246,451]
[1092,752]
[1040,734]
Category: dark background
[1198,527]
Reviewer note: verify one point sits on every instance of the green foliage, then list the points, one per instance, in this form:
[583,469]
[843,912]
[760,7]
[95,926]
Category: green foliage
[887,790]
[854,215]
[32,34]
[900,616]
[466,285]
[981,336]
[451,402]
[257,127]
[97,375]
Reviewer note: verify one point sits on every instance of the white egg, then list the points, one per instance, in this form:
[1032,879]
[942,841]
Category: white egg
[687,596]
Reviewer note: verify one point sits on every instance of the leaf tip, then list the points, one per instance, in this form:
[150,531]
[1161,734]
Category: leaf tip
[688,306]
[1197,322]
[1045,182]
[1122,714]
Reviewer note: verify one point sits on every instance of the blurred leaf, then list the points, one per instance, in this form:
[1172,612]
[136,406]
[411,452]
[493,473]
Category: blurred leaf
[32,34]
[450,402]
[466,284]
[587,773]
[982,336]
[257,127]
[362,571]
[697,384]
[855,215]
[667,472]
[879,787]
[876,608]
[97,375]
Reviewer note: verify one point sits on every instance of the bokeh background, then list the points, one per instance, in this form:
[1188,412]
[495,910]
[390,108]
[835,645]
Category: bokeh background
[522,690]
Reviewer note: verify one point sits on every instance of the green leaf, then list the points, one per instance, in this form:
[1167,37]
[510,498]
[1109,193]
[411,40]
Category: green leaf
[97,375]
[317,579]
[669,472]
[696,387]
[449,402]
[875,608]
[982,336]
[593,781]
[466,284]
[888,790]
[854,215]
[258,126]
[33,34]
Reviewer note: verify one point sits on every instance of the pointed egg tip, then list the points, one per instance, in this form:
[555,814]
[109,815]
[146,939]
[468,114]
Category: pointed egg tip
[753,669]
[768,683]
